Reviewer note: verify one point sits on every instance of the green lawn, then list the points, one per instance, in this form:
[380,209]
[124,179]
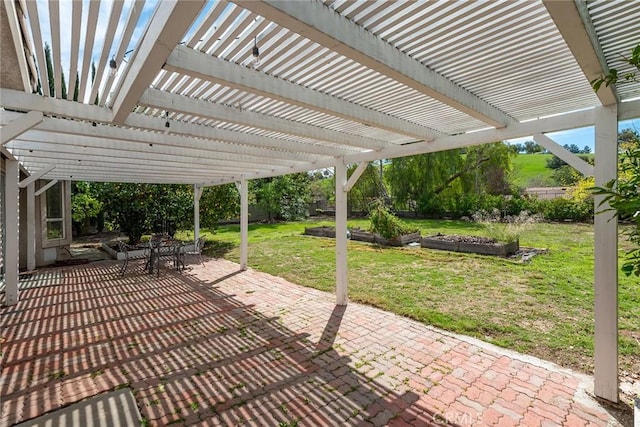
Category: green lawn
[544,308]
[530,170]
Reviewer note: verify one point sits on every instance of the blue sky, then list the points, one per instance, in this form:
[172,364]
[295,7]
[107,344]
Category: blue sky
[581,136]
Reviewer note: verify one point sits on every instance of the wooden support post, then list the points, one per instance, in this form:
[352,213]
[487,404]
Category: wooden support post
[341,232]
[31,226]
[12,225]
[606,259]
[244,223]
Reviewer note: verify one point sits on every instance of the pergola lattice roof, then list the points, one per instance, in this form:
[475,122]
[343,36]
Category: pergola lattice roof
[359,79]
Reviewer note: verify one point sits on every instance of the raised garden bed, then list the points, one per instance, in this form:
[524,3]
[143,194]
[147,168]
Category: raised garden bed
[323,231]
[364,236]
[469,244]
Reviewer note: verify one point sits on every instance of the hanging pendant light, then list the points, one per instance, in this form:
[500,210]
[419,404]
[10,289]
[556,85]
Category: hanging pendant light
[256,53]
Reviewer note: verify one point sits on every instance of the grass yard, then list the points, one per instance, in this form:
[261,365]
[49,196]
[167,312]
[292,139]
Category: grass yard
[544,308]
[530,170]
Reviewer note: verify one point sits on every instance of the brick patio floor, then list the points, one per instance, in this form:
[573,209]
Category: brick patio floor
[214,346]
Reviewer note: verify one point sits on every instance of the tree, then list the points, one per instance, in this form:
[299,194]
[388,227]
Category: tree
[530,147]
[434,182]
[586,150]
[84,205]
[368,188]
[219,202]
[140,208]
[573,148]
[283,197]
[627,139]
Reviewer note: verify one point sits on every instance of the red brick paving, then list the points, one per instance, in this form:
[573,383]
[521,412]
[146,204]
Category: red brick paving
[214,346]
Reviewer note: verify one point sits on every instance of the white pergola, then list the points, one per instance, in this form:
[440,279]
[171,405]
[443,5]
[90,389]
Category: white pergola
[338,82]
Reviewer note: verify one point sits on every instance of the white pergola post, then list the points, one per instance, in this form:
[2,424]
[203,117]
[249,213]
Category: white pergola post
[244,223]
[341,231]
[31,226]
[606,259]
[11,215]
[197,193]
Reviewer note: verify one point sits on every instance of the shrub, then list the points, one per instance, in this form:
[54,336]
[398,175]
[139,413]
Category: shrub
[561,209]
[385,223]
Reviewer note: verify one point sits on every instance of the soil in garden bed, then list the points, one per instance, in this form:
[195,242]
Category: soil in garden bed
[477,240]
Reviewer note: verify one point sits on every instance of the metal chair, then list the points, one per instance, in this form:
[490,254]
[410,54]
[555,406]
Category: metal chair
[122,247]
[197,250]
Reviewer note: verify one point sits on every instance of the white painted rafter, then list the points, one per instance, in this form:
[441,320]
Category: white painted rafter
[329,29]
[103,62]
[167,27]
[75,43]
[19,125]
[233,143]
[47,186]
[200,108]
[197,64]
[32,10]
[573,22]
[549,124]
[37,175]
[134,13]
[90,35]
[355,176]
[565,155]
[16,33]
[58,107]
[146,150]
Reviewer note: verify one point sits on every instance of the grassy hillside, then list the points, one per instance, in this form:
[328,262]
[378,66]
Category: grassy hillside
[529,170]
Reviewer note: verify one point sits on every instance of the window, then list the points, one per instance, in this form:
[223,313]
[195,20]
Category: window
[55,212]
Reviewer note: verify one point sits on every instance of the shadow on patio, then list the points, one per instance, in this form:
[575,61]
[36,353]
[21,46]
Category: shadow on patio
[214,346]
[189,351]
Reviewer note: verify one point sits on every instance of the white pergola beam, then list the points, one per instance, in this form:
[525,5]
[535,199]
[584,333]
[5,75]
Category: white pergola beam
[573,21]
[19,126]
[36,175]
[105,134]
[549,124]
[162,162]
[16,33]
[103,62]
[57,107]
[606,259]
[355,176]
[168,25]
[187,61]
[169,101]
[629,110]
[563,154]
[318,23]
[47,186]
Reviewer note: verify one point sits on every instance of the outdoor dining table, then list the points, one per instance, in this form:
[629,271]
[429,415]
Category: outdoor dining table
[165,248]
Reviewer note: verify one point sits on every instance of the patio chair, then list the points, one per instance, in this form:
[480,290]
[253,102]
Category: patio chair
[197,251]
[122,247]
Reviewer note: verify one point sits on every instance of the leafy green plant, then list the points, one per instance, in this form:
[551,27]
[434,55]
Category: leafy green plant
[613,76]
[623,195]
[385,223]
